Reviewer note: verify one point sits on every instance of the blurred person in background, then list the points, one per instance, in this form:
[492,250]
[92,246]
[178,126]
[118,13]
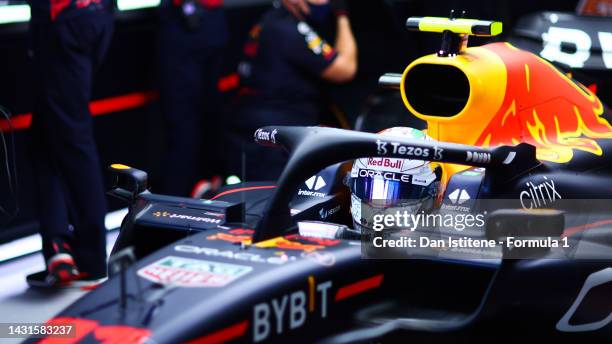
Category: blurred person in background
[192,38]
[287,59]
[68,42]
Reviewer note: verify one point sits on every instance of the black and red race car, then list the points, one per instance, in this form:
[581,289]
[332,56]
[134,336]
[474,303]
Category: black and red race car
[281,262]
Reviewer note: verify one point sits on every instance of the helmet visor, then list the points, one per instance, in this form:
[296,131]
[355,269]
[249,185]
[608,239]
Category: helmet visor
[385,192]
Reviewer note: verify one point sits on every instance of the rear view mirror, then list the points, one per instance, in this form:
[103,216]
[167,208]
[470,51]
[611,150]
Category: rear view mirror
[524,224]
[128,182]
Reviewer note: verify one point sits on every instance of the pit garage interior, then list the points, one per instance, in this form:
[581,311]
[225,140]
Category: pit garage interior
[128,124]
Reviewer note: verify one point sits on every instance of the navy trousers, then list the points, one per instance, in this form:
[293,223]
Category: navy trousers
[66,161]
[251,161]
[189,66]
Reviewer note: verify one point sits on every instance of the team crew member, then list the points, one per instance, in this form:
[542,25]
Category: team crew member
[69,41]
[192,37]
[286,61]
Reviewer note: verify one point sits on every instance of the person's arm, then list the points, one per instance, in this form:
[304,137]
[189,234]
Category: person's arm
[344,66]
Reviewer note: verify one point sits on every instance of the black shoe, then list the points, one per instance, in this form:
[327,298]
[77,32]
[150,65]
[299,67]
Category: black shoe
[61,271]
[42,279]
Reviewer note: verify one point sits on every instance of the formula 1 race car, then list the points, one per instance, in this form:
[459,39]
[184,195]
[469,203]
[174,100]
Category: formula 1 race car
[282,262]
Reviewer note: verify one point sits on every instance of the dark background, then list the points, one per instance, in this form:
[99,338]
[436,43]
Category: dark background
[135,137]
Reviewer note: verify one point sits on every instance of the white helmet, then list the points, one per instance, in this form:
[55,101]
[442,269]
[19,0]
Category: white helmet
[380,185]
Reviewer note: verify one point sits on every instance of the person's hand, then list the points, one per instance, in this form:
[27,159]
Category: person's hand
[298,8]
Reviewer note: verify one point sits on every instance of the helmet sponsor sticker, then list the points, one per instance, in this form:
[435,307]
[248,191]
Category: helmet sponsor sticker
[423,177]
[192,273]
[389,163]
[424,180]
[385,175]
[406,166]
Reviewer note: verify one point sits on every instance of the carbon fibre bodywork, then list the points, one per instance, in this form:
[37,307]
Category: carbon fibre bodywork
[214,282]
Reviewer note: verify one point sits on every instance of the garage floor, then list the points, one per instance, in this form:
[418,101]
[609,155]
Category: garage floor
[21,304]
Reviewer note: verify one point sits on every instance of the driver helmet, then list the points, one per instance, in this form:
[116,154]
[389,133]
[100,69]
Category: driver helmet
[381,185]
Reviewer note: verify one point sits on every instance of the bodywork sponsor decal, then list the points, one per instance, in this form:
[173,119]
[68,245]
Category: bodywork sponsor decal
[234,236]
[390,147]
[478,157]
[266,135]
[313,185]
[214,220]
[187,272]
[459,196]
[290,311]
[540,194]
[555,38]
[285,244]
[381,147]
[298,242]
[279,258]
[288,242]
[325,213]
[461,193]
[229,254]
